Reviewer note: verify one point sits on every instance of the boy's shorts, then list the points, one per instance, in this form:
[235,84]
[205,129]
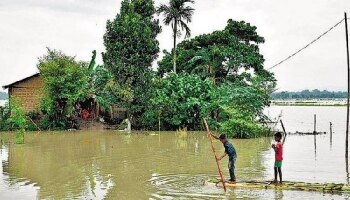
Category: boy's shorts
[278,163]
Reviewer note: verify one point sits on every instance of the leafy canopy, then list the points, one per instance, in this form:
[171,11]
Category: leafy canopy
[231,61]
[131,47]
[177,14]
[65,82]
[231,54]
[180,100]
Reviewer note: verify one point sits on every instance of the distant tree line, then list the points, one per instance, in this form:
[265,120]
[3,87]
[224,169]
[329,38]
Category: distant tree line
[3,95]
[307,94]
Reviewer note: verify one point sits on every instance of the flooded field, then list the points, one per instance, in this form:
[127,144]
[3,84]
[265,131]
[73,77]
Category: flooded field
[117,165]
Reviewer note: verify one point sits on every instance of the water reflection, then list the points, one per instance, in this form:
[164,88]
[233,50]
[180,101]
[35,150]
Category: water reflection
[117,165]
[10,187]
[315,147]
[330,135]
[347,169]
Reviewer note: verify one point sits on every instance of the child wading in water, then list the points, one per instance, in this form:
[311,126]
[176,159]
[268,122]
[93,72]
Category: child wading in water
[232,155]
[278,148]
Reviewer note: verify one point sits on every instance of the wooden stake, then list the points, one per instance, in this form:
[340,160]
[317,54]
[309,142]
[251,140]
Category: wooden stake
[347,110]
[315,124]
[213,149]
[330,131]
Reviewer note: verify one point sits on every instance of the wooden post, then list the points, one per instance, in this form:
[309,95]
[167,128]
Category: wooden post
[315,124]
[347,110]
[331,133]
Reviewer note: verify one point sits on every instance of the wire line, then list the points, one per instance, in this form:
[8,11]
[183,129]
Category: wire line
[313,41]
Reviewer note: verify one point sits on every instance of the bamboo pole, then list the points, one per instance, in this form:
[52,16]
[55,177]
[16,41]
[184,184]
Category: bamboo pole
[284,131]
[213,149]
[347,110]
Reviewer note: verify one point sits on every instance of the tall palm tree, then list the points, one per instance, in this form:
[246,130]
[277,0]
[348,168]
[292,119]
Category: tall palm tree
[178,15]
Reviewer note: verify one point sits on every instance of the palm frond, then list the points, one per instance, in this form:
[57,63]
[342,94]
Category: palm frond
[186,28]
[162,8]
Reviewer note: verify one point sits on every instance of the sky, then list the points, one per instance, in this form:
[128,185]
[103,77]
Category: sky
[77,27]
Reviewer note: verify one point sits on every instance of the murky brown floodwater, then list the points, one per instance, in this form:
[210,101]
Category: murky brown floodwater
[116,165]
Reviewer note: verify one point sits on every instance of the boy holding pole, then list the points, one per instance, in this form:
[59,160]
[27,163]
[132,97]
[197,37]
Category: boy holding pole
[232,155]
[278,148]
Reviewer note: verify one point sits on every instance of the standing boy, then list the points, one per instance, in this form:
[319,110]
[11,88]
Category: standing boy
[232,155]
[278,148]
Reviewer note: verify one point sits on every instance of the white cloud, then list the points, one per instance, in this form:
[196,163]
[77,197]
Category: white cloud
[77,27]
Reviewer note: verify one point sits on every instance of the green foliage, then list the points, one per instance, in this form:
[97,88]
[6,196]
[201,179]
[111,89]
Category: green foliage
[307,94]
[183,100]
[4,115]
[239,110]
[231,60]
[131,47]
[180,99]
[130,41]
[18,120]
[241,125]
[65,82]
[231,55]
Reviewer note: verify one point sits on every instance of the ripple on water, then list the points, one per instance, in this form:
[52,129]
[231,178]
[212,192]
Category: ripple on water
[189,186]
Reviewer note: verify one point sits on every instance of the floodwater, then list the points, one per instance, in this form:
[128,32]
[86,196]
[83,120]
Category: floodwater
[117,165]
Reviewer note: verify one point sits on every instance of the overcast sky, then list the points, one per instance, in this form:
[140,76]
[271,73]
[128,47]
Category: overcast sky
[77,27]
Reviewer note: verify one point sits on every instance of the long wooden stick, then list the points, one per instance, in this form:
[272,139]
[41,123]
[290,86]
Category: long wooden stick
[284,131]
[216,157]
[348,100]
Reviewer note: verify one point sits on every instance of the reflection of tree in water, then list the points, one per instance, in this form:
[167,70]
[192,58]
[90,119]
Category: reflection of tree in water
[181,139]
[92,165]
[250,161]
[62,167]
[126,138]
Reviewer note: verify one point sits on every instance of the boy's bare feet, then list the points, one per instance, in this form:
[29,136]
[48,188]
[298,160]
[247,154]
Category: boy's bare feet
[232,181]
[205,183]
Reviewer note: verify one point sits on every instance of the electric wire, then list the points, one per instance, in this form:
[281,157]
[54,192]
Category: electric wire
[306,46]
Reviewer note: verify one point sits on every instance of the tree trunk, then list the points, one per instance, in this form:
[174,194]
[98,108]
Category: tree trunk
[174,49]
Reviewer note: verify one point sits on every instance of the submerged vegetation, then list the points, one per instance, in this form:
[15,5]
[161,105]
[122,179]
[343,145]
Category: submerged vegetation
[220,75]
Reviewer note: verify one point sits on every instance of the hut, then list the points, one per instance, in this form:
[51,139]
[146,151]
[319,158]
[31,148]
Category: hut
[28,91]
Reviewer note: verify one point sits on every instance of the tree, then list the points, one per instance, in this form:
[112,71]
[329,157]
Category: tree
[18,120]
[131,47]
[181,101]
[238,109]
[65,82]
[231,55]
[231,60]
[178,15]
